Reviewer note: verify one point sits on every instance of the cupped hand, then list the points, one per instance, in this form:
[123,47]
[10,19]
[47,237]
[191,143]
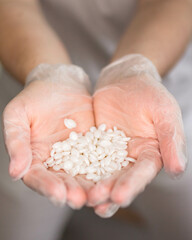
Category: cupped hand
[138,105]
[33,121]
[148,113]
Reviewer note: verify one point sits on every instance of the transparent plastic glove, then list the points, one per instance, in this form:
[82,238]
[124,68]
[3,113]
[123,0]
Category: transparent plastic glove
[34,120]
[130,95]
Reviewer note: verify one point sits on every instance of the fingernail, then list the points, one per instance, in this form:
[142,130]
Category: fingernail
[110,211]
[71,205]
[95,203]
[183,155]
[183,159]
[177,170]
[56,202]
[13,171]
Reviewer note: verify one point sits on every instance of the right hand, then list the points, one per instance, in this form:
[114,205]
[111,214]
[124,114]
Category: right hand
[130,96]
[33,121]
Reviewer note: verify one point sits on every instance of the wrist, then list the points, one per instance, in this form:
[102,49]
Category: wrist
[67,74]
[128,66]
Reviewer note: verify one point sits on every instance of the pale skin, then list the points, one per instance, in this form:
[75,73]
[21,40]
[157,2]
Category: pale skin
[24,44]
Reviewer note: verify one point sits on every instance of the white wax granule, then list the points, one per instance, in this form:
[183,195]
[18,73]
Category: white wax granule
[96,155]
[69,123]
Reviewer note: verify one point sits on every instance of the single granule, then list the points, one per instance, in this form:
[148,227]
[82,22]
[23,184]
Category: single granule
[69,123]
[97,154]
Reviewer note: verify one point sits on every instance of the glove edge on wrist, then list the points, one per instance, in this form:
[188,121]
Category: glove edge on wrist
[71,75]
[128,66]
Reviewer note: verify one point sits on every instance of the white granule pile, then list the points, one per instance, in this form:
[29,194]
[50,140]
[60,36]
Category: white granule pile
[96,155]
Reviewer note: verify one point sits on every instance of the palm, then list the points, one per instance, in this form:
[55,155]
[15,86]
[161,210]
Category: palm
[47,126]
[129,107]
[149,114]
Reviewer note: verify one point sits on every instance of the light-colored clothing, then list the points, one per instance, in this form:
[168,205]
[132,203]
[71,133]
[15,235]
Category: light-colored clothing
[90,31]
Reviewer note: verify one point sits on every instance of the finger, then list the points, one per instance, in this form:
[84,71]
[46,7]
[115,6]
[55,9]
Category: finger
[100,192]
[17,140]
[134,181]
[86,185]
[46,183]
[169,128]
[76,196]
[106,210]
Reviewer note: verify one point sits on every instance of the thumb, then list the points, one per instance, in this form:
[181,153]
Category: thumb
[17,140]
[169,128]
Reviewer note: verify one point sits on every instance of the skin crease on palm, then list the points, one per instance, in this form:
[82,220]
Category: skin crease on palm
[137,109]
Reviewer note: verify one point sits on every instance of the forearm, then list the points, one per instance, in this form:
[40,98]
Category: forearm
[26,38]
[160,31]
